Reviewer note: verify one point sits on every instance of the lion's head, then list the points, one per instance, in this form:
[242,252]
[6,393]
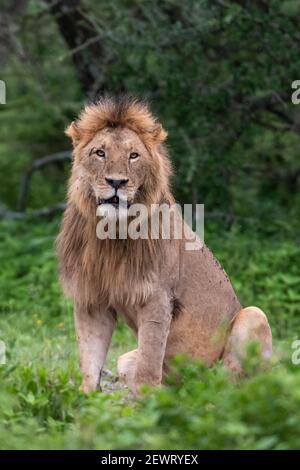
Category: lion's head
[119,156]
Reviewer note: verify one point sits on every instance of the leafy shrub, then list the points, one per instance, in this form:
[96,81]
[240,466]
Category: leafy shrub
[198,408]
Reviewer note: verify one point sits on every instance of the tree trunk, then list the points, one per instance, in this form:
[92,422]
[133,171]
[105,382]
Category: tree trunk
[83,41]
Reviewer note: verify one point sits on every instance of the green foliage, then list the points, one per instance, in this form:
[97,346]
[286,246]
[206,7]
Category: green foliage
[198,408]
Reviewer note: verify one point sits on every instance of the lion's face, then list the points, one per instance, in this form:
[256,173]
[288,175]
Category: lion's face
[113,167]
[119,157]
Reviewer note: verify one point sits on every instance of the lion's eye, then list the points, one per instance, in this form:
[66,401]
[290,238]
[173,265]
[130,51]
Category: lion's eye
[133,156]
[100,153]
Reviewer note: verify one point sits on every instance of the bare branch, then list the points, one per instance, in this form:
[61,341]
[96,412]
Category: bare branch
[42,212]
[37,165]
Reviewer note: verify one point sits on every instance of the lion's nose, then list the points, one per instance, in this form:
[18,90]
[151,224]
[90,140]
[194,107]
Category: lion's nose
[116,184]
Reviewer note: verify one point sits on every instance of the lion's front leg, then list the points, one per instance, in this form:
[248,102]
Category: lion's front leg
[94,329]
[153,328]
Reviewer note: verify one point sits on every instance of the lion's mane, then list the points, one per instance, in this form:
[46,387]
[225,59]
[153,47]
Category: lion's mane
[112,272]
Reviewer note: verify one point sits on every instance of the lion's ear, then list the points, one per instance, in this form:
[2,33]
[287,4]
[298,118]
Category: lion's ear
[73,132]
[159,133]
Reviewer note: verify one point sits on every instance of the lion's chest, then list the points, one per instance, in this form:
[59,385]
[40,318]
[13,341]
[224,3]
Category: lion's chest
[118,284]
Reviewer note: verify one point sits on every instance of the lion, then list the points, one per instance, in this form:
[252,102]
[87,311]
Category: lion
[175,300]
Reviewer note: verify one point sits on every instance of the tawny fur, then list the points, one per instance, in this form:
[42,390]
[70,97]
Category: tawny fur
[173,299]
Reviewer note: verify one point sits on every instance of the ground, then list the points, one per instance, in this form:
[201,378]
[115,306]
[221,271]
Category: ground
[41,407]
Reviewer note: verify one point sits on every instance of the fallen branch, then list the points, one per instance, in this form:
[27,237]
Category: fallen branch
[37,165]
[42,212]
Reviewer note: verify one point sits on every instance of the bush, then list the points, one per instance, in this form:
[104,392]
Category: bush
[199,408]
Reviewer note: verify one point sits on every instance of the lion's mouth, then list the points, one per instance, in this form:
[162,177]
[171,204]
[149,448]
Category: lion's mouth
[114,201]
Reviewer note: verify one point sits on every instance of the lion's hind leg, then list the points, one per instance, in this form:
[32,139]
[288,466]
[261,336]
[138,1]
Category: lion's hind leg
[126,366]
[250,325]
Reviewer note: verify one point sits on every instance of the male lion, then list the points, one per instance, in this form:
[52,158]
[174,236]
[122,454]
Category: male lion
[174,300]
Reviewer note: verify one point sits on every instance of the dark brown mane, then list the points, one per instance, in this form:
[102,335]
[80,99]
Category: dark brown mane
[91,269]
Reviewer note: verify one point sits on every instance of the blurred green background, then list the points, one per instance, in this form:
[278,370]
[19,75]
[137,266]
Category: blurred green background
[219,75]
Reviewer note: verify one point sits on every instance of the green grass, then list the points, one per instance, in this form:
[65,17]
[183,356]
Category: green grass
[41,407]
